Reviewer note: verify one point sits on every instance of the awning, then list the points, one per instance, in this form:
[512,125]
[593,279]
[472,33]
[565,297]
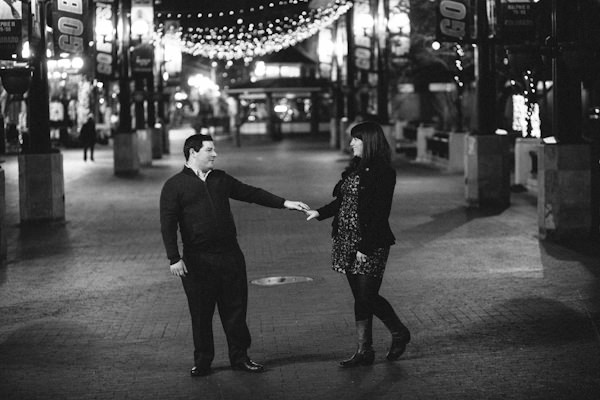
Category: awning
[280,85]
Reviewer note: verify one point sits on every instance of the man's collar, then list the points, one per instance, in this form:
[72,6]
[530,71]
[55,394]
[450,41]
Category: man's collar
[198,173]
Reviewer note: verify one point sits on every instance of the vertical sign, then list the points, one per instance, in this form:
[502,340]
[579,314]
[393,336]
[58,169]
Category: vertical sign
[172,51]
[11,18]
[399,32]
[363,34]
[106,49]
[142,20]
[142,59]
[72,30]
[517,18]
[454,18]
[325,52]
[142,27]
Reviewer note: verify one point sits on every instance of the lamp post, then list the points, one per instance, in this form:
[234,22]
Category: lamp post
[488,163]
[124,79]
[39,130]
[41,182]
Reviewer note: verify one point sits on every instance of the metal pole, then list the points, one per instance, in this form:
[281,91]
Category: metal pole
[39,102]
[351,69]
[124,76]
[485,62]
[554,70]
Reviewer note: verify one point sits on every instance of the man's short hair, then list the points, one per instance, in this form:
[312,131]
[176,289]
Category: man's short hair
[195,142]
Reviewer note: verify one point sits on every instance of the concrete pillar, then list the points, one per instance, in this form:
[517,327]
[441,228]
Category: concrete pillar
[270,115]
[564,191]
[125,154]
[157,141]
[3,250]
[523,162]
[144,147]
[390,136]
[344,135]
[41,187]
[165,139]
[423,132]
[487,171]
[399,129]
[334,134]
[456,152]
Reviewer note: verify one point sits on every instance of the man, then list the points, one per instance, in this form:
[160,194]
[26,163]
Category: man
[87,137]
[212,270]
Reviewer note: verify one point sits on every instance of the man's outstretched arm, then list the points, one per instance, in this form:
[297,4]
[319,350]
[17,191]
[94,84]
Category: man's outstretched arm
[250,194]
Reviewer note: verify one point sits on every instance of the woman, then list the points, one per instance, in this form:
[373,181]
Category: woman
[362,237]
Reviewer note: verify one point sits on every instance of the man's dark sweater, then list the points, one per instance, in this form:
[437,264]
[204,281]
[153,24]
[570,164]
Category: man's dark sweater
[202,211]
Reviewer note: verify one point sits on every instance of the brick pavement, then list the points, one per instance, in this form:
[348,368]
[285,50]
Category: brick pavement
[89,311]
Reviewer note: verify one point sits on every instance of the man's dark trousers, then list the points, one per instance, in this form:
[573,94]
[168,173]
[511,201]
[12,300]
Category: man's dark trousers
[217,278]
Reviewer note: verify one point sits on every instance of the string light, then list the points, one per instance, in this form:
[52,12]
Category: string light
[459,65]
[236,40]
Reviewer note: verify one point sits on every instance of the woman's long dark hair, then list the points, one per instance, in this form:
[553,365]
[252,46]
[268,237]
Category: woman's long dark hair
[376,149]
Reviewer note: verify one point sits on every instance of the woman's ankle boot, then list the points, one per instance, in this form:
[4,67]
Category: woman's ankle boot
[364,355]
[400,338]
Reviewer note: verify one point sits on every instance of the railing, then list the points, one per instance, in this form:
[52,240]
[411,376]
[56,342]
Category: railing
[438,145]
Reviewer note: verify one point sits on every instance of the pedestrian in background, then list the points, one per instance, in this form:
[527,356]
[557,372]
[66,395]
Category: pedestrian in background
[212,269]
[362,238]
[87,136]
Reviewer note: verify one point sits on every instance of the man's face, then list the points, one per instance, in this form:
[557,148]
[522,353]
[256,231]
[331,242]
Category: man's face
[203,159]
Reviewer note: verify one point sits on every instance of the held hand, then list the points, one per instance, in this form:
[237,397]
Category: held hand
[295,205]
[178,269]
[311,214]
[360,257]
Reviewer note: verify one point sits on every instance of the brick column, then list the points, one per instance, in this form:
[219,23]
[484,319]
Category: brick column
[487,171]
[41,187]
[564,191]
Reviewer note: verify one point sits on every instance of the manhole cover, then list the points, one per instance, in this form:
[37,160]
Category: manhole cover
[280,280]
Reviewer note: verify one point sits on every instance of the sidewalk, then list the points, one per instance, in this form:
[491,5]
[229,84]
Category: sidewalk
[88,309]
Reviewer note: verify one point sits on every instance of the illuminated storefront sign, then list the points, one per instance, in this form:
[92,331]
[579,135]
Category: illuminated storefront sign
[172,50]
[142,20]
[106,49]
[72,27]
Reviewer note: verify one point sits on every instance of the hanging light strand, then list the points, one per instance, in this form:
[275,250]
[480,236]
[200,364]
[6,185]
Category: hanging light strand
[208,16]
[245,41]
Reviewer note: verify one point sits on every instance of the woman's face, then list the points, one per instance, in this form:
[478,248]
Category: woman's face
[357,147]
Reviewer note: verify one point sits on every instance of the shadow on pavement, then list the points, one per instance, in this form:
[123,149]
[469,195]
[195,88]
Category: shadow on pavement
[529,322]
[41,240]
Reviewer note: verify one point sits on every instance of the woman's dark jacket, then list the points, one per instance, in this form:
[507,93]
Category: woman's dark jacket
[375,194]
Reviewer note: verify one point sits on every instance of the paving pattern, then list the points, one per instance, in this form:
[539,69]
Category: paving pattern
[88,309]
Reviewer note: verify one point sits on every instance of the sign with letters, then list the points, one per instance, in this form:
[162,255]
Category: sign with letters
[72,26]
[106,48]
[454,18]
[517,20]
[142,59]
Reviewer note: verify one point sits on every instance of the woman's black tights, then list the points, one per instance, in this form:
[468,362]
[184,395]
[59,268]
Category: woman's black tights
[367,300]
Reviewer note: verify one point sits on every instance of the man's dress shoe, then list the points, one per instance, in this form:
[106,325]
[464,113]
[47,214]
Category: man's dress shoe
[200,371]
[248,366]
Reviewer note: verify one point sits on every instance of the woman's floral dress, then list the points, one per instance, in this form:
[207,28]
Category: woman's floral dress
[348,236]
